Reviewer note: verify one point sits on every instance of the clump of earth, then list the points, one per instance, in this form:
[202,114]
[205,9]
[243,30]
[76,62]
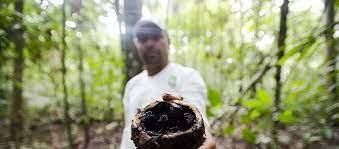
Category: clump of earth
[168,125]
[167,117]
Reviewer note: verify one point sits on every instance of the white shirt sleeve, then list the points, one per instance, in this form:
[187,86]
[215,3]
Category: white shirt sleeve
[126,142]
[126,103]
[194,91]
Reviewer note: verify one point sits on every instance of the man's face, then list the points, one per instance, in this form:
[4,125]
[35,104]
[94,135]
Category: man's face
[152,47]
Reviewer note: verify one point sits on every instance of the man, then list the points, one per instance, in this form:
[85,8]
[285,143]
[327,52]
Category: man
[160,76]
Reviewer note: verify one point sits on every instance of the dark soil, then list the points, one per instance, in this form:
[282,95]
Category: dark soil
[167,118]
[168,125]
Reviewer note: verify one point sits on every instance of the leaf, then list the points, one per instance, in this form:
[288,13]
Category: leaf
[262,103]
[249,136]
[265,100]
[253,103]
[254,114]
[290,98]
[245,119]
[306,52]
[229,129]
[264,97]
[215,97]
[302,48]
[287,117]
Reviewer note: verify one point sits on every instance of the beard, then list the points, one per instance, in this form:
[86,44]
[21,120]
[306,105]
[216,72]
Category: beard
[152,57]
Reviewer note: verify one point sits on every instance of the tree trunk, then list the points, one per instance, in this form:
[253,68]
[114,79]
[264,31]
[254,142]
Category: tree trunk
[85,122]
[280,54]
[331,56]
[64,71]
[16,111]
[132,13]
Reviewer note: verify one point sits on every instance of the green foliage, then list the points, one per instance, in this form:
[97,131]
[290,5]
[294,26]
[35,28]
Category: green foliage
[287,117]
[216,101]
[302,48]
[262,104]
[215,98]
[249,136]
[229,42]
[229,129]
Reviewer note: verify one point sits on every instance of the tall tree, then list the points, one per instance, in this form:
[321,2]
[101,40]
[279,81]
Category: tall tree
[132,13]
[281,50]
[332,53]
[85,122]
[64,72]
[16,110]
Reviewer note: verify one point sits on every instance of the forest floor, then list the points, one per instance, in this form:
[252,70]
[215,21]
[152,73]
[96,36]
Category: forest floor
[108,136]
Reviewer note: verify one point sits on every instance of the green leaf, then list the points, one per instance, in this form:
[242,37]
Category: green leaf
[302,48]
[245,119]
[215,97]
[229,129]
[264,97]
[249,136]
[261,104]
[254,114]
[265,100]
[290,98]
[287,117]
[251,103]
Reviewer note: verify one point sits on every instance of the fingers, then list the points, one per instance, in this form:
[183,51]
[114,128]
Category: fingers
[170,96]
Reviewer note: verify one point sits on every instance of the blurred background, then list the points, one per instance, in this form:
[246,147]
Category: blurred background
[270,67]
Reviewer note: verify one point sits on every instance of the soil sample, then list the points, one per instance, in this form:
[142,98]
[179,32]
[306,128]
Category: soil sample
[168,125]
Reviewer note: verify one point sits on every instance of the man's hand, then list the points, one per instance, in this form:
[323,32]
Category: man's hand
[209,142]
